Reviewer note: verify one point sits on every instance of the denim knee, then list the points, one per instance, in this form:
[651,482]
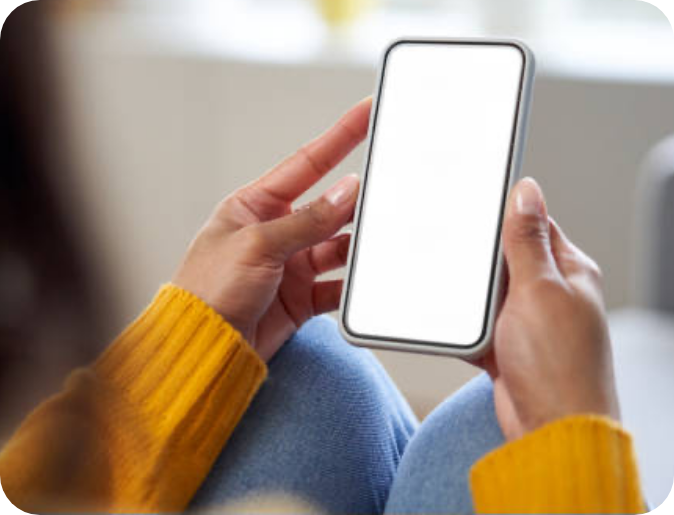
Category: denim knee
[345,385]
[317,356]
[318,349]
[327,426]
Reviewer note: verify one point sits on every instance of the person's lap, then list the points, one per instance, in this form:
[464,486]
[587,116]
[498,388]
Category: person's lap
[330,429]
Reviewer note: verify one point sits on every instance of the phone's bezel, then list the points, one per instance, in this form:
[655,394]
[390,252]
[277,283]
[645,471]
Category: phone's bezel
[515,161]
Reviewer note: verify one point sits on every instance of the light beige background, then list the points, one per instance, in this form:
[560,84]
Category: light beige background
[160,137]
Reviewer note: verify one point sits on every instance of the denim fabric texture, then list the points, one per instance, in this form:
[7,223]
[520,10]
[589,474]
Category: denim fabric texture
[330,429]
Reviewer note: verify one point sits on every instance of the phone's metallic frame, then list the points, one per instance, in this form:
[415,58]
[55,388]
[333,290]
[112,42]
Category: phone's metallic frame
[519,137]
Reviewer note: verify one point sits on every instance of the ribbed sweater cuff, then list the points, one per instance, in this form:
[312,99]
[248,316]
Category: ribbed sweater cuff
[184,366]
[580,464]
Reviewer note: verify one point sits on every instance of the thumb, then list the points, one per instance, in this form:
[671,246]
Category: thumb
[526,234]
[315,222]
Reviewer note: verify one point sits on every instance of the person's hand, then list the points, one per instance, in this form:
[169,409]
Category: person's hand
[552,352]
[256,260]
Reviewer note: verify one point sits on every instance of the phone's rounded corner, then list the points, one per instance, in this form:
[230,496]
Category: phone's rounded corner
[531,60]
[344,329]
[354,338]
[530,66]
[520,45]
[527,53]
[467,352]
[479,348]
[393,45]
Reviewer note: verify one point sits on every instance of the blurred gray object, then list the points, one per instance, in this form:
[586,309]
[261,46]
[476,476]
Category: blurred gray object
[656,229]
[643,336]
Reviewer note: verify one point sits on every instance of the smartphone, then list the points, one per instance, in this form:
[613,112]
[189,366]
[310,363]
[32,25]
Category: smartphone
[446,138]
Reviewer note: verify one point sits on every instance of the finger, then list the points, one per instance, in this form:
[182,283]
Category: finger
[309,164]
[505,285]
[329,255]
[326,296]
[570,259]
[561,247]
[526,238]
[314,223]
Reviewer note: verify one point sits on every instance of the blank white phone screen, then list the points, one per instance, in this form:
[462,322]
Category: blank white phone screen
[439,162]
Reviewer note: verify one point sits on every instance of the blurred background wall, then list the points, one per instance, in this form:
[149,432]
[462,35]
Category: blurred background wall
[172,105]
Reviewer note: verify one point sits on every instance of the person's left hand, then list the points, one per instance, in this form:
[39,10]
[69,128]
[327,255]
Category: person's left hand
[551,356]
[256,261]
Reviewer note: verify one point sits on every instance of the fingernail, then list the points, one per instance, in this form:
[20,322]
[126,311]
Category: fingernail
[344,191]
[529,199]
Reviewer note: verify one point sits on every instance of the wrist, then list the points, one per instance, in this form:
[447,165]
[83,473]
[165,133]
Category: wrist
[544,420]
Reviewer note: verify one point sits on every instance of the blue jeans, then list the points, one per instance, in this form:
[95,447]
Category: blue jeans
[330,428]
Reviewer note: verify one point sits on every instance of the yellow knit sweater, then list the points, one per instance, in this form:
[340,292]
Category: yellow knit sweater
[139,430]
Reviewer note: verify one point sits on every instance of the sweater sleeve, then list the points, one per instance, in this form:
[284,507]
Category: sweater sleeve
[580,464]
[139,429]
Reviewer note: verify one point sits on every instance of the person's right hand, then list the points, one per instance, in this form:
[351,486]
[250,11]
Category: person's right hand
[552,352]
[256,261]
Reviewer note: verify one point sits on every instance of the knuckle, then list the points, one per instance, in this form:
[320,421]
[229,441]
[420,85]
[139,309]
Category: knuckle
[226,205]
[254,241]
[317,215]
[527,228]
[320,168]
[343,250]
[229,202]
[584,265]
[546,289]
[594,270]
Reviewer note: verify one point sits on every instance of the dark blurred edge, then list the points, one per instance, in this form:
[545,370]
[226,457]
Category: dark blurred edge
[49,319]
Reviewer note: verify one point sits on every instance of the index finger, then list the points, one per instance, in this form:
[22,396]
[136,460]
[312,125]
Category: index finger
[309,164]
[570,259]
